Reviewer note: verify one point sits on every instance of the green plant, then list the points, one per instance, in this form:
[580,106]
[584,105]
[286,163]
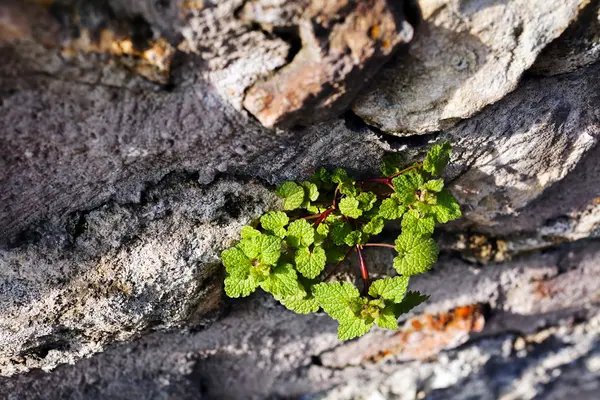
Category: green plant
[328,217]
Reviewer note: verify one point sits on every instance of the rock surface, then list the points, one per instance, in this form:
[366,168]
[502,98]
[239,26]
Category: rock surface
[260,350]
[118,192]
[577,47]
[343,45]
[466,55]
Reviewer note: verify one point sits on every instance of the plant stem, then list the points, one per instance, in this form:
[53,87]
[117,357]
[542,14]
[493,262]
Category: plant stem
[337,189]
[338,264]
[364,272]
[416,165]
[323,215]
[385,181]
[313,216]
[379,245]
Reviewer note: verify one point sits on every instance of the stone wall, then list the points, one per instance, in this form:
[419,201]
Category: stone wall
[137,137]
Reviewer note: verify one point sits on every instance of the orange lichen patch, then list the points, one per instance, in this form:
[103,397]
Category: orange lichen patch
[596,201]
[483,249]
[427,335]
[152,62]
[192,5]
[375,32]
[542,289]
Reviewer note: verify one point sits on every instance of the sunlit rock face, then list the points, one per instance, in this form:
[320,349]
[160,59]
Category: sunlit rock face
[137,137]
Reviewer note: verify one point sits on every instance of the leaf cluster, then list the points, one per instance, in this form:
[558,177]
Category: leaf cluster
[324,219]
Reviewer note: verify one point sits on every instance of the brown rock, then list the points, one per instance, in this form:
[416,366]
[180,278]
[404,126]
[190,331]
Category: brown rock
[342,43]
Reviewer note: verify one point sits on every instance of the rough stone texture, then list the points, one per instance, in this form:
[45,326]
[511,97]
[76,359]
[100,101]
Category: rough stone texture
[118,270]
[506,159]
[343,44]
[466,55]
[260,350]
[577,47]
[118,193]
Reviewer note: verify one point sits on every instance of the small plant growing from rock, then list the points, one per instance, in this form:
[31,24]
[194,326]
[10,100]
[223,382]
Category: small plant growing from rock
[328,217]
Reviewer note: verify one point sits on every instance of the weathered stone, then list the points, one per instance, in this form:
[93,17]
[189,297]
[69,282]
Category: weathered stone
[465,56]
[83,31]
[261,350]
[577,47]
[117,195]
[116,271]
[420,338]
[514,150]
[343,44]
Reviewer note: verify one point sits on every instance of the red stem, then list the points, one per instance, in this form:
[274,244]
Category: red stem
[364,272]
[337,189]
[379,245]
[417,165]
[385,181]
[323,215]
[313,216]
[338,264]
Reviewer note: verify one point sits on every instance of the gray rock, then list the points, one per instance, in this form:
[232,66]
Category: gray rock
[577,47]
[260,350]
[117,195]
[119,270]
[465,56]
[514,150]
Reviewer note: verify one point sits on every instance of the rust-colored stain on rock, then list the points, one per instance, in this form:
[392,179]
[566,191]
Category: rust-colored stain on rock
[33,21]
[427,335]
[343,44]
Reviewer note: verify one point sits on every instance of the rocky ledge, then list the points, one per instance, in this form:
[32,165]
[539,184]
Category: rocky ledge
[133,150]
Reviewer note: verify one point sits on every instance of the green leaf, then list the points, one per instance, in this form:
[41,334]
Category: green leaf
[391,163]
[434,185]
[416,254]
[321,233]
[335,299]
[264,248]
[310,264]
[354,238]
[406,186]
[301,304]
[349,207]
[418,224]
[248,232]
[353,328]
[236,262]
[320,176]
[311,191]
[446,208]
[374,226]
[392,289]
[391,208]
[335,254]
[339,175]
[274,222]
[366,200]
[238,287]
[437,158]
[269,249]
[411,300]
[339,232]
[292,193]
[282,281]
[387,319]
[300,233]
[345,182]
